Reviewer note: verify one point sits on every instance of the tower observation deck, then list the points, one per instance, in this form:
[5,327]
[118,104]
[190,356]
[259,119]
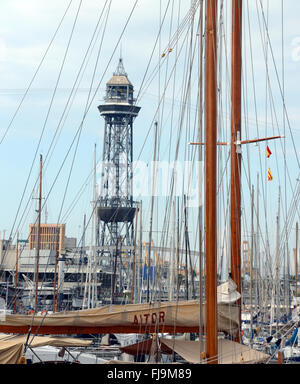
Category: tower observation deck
[115,207]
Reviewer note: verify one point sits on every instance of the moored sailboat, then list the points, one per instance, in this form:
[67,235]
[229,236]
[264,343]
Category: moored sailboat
[215,314]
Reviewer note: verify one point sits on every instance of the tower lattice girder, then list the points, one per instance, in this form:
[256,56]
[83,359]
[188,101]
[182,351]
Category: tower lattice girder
[115,207]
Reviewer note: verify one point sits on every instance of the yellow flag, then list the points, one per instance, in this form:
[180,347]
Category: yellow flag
[270,176]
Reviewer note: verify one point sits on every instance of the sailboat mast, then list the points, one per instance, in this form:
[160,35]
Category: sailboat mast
[235,176]
[275,299]
[38,238]
[186,252]
[251,266]
[172,255]
[140,253]
[93,240]
[55,287]
[296,261]
[211,179]
[200,160]
[82,253]
[133,283]
[151,212]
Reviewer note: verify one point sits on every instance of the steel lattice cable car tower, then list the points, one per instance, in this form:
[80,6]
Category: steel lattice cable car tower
[115,206]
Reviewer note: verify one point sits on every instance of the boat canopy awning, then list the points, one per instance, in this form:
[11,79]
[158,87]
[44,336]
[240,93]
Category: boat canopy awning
[12,347]
[10,352]
[229,352]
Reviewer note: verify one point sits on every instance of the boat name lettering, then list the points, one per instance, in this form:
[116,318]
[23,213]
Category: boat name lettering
[148,318]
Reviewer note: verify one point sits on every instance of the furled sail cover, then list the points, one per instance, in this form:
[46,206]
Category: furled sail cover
[227,292]
[172,317]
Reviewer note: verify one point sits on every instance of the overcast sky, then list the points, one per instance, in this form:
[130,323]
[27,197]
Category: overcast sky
[26,29]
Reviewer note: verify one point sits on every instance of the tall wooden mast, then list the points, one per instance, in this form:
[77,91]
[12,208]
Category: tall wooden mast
[211,179]
[235,219]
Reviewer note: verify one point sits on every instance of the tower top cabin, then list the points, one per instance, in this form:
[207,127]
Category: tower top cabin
[119,95]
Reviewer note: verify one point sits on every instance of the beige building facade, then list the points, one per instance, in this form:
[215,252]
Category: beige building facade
[52,236]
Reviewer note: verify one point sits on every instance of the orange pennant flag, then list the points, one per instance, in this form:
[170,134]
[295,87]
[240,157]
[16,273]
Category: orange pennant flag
[270,176]
[269,153]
